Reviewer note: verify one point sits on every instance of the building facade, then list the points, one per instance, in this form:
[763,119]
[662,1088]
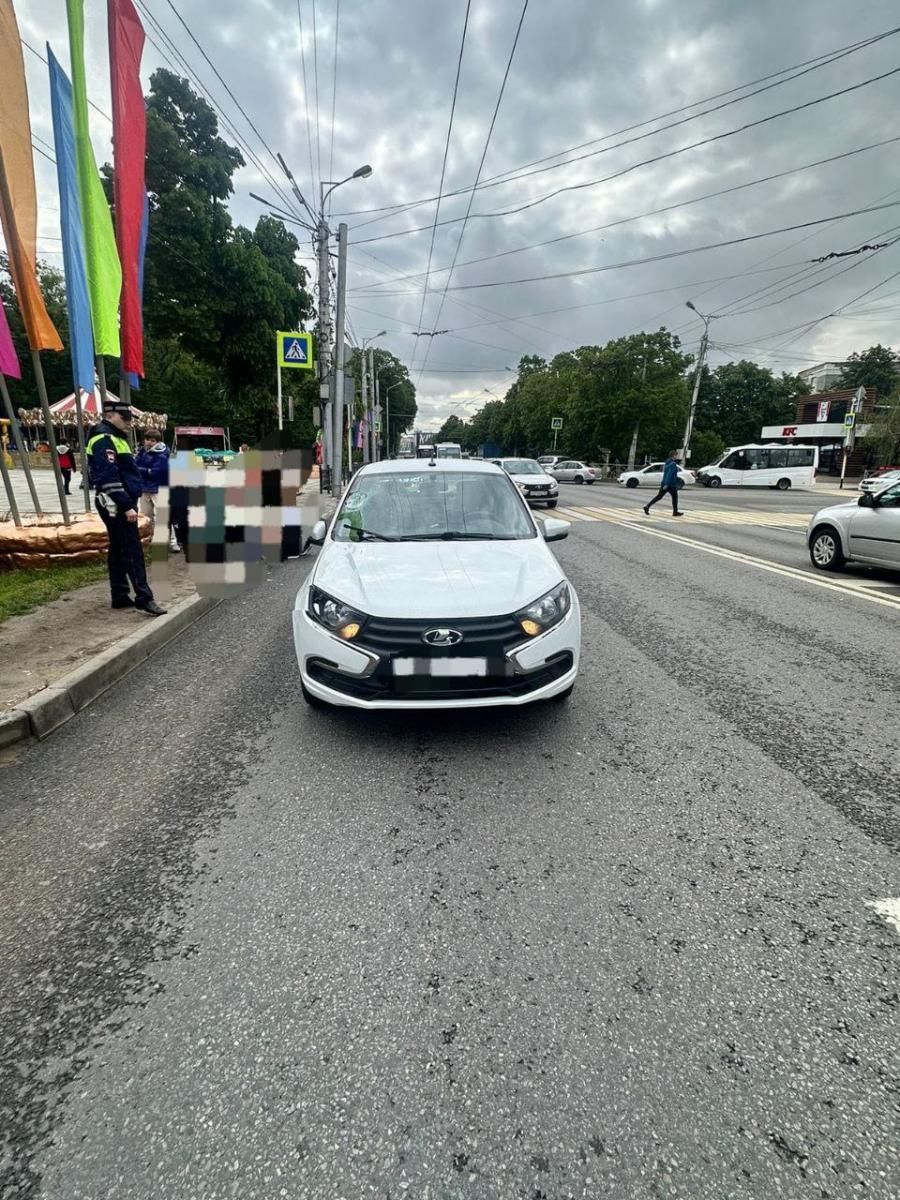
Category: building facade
[822,376]
[820,422]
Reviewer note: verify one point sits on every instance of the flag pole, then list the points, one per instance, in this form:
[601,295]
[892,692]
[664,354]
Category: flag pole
[10,494]
[82,450]
[20,444]
[51,437]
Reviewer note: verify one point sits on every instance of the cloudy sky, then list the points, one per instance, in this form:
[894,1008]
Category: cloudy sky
[585,75]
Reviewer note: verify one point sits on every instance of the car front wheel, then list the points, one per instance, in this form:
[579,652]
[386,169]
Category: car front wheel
[552,503]
[715,481]
[631,483]
[825,549]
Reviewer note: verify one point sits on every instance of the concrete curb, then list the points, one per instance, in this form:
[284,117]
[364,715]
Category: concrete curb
[47,710]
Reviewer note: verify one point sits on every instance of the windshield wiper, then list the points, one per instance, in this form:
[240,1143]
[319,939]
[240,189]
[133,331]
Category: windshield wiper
[381,537]
[454,535]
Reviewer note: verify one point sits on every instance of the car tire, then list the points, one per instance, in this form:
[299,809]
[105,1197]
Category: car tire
[631,483]
[562,697]
[825,551]
[552,503]
[715,481]
[783,484]
[589,482]
[311,700]
[578,479]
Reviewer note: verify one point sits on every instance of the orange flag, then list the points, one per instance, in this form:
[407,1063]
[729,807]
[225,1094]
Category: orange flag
[18,195]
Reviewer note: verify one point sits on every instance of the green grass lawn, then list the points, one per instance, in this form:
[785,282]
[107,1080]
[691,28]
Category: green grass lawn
[27,588]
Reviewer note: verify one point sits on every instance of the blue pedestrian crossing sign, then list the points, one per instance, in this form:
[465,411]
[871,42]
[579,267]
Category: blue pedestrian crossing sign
[295,350]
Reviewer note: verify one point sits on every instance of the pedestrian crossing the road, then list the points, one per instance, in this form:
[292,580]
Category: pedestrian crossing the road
[719,516]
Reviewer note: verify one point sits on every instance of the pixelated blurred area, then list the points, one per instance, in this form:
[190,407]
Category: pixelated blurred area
[235,520]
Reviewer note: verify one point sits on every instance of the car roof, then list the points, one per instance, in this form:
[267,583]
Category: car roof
[402,465]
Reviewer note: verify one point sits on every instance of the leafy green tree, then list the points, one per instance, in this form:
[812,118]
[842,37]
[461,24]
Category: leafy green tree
[882,442]
[876,367]
[452,430]
[397,390]
[737,399]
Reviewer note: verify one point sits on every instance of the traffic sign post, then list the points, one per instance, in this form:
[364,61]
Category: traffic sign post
[850,429]
[556,424]
[292,350]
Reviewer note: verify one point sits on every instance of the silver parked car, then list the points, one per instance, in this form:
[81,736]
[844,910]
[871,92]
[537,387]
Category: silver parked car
[867,531]
[570,470]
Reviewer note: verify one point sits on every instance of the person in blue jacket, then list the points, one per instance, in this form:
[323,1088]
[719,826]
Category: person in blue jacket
[670,481]
[153,463]
[118,485]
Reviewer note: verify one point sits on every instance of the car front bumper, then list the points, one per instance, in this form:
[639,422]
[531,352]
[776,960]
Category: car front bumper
[340,673]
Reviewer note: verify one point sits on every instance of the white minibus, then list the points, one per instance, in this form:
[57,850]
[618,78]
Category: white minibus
[772,466]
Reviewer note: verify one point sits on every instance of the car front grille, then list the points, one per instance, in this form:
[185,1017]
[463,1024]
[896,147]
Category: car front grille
[483,637]
[499,683]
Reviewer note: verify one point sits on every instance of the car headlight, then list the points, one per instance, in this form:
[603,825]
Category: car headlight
[554,486]
[336,617]
[546,612]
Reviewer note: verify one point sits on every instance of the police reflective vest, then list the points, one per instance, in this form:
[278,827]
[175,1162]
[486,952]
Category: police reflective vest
[113,471]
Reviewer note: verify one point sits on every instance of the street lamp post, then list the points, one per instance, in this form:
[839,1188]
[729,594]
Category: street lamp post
[704,343]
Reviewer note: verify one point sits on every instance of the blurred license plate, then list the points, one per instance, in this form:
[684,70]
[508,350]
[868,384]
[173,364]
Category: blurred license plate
[455,667]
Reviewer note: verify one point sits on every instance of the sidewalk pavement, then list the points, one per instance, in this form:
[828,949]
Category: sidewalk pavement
[60,657]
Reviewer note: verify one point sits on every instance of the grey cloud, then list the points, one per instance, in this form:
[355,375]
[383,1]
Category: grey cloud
[582,70]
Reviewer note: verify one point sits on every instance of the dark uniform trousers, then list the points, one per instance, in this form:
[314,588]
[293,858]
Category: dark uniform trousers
[125,560]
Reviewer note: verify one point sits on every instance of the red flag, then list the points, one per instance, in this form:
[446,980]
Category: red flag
[126,45]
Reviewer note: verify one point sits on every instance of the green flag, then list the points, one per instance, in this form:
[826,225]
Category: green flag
[104,272]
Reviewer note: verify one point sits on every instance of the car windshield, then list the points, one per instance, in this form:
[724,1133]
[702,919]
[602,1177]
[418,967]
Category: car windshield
[522,466]
[431,505]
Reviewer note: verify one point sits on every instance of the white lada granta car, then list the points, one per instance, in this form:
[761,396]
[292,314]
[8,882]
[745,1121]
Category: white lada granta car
[435,588]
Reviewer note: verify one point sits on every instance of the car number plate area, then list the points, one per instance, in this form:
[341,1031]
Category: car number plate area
[457,668]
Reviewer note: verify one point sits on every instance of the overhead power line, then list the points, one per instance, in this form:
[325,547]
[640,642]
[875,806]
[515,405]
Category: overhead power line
[637,262]
[655,212]
[462,46]
[37,54]
[312,170]
[218,76]
[487,142]
[337,26]
[575,187]
[171,54]
[508,176]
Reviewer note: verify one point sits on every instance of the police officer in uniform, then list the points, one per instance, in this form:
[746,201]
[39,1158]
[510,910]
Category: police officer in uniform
[118,484]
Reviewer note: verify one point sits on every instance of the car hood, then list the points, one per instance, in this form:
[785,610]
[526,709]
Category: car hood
[533,479]
[437,579]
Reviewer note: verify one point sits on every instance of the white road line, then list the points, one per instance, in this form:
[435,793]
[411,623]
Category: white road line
[889,910]
[761,564]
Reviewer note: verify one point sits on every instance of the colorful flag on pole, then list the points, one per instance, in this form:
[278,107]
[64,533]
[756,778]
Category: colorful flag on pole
[133,379]
[126,45]
[70,219]
[9,360]
[104,274]
[18,197]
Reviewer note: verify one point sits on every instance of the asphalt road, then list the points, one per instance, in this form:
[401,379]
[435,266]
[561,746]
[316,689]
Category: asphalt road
[620,948]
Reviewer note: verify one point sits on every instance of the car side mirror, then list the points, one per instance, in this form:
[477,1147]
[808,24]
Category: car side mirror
[554,530]
[867,500]
[317,536]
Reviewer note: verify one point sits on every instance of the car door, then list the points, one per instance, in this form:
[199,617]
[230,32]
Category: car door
[875,532]
[732,469]
[564,471]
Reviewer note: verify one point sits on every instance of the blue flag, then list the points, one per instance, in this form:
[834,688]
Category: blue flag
[81,334]
[134,379]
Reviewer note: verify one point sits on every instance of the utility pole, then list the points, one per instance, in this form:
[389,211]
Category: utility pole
[632,453]
[338,406]
[365,402]
[378,435]
[321,235]
[701,356]
[373,404]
